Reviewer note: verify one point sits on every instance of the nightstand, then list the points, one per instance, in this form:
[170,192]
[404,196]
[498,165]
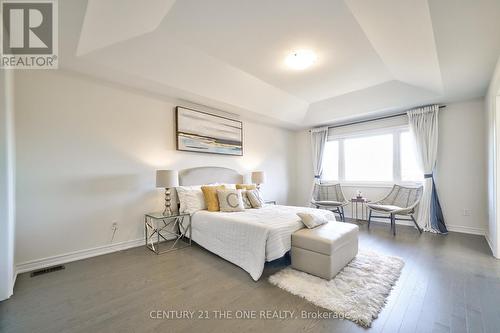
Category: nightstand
[174,228]
[270,202]
[354,208]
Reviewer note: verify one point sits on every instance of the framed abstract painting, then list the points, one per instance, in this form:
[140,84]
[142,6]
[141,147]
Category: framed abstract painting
[202,132]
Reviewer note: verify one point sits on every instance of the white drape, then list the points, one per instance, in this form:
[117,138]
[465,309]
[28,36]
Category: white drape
[318,142]
[423,124]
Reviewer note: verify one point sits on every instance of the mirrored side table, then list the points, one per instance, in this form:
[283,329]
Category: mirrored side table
[167,231]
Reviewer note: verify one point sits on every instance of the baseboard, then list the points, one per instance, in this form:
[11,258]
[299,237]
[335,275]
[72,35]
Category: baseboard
[466,230]
[76,255]
[487,236]
[14,279]
[490,244]
[105,249]
[452,228]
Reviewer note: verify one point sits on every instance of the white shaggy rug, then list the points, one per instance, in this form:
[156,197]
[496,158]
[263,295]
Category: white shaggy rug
[358,292]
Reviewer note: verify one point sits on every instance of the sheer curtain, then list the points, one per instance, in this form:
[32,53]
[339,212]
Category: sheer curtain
[318,143]
[423,124]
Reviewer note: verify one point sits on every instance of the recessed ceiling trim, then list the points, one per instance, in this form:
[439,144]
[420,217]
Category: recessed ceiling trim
[401,32]
[112,21]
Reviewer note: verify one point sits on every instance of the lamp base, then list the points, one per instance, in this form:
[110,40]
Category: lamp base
[167,211]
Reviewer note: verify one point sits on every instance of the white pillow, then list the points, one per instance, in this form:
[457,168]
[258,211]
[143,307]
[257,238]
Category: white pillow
[227,185]
[191,199]
[312,220]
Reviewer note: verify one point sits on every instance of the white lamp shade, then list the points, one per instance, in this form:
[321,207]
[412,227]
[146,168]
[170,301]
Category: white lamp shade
[258,177]
[167,178]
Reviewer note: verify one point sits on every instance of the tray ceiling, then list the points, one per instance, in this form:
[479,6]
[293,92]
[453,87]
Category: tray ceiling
[373,57]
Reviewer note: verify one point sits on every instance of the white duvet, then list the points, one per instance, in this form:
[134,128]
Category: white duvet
[252,237]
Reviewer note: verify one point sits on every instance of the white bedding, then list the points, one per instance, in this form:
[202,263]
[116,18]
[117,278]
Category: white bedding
[252,237]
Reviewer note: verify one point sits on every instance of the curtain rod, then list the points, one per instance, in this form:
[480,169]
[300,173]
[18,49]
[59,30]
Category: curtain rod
[374,119]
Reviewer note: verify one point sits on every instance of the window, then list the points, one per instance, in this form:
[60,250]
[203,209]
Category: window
[410,170]
[388,155]
[369,158]
[331,161]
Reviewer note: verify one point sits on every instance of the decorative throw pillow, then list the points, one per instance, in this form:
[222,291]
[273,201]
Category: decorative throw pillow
[246,202]
[211,199]
[182,192]
[312,220]
[194,201]
[230,200]
[246,186]
[227,185]
[255,198]
[174,201]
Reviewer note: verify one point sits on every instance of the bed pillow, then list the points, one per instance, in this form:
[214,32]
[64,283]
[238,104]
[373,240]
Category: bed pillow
[174,201]
[193,201]
[246,186]
[227,185]
[246,202]
[190,199]
[230,200]
[311,220]
[210,195]
[255,198]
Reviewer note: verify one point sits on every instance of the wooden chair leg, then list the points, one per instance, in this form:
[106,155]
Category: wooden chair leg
[343,214]
[416,224]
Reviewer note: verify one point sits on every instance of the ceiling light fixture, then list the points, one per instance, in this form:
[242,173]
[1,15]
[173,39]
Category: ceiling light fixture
[300,59]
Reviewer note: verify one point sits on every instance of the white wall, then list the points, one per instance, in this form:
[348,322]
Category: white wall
[461,177]
[87,152]
[303,169]
[492,106]
[460,174]
[7,200]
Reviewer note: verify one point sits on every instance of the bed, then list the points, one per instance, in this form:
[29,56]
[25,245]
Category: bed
[247,239]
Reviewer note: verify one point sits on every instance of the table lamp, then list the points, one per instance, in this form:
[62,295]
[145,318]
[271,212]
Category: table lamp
[258,177]
[167,179]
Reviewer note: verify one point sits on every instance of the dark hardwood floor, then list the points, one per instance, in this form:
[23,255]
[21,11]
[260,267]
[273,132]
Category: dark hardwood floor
[449,284]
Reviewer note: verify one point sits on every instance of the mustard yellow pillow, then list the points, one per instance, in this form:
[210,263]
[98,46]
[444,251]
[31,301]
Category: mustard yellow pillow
[246,186]
[210,195]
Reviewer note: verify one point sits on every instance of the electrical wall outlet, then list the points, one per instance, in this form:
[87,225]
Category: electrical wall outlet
[114,227]
[466,212]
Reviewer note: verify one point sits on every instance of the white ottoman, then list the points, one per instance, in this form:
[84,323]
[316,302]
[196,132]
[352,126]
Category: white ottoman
[325,250]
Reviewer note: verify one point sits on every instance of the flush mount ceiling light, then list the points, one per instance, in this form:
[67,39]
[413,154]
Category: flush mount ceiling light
[300,59]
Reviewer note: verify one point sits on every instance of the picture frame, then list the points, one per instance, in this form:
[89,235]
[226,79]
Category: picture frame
[203,132]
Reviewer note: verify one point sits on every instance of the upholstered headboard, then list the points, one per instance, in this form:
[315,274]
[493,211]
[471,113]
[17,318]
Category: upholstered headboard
[208,175]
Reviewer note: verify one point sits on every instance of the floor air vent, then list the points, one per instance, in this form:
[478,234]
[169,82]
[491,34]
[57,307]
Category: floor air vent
[47,270]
